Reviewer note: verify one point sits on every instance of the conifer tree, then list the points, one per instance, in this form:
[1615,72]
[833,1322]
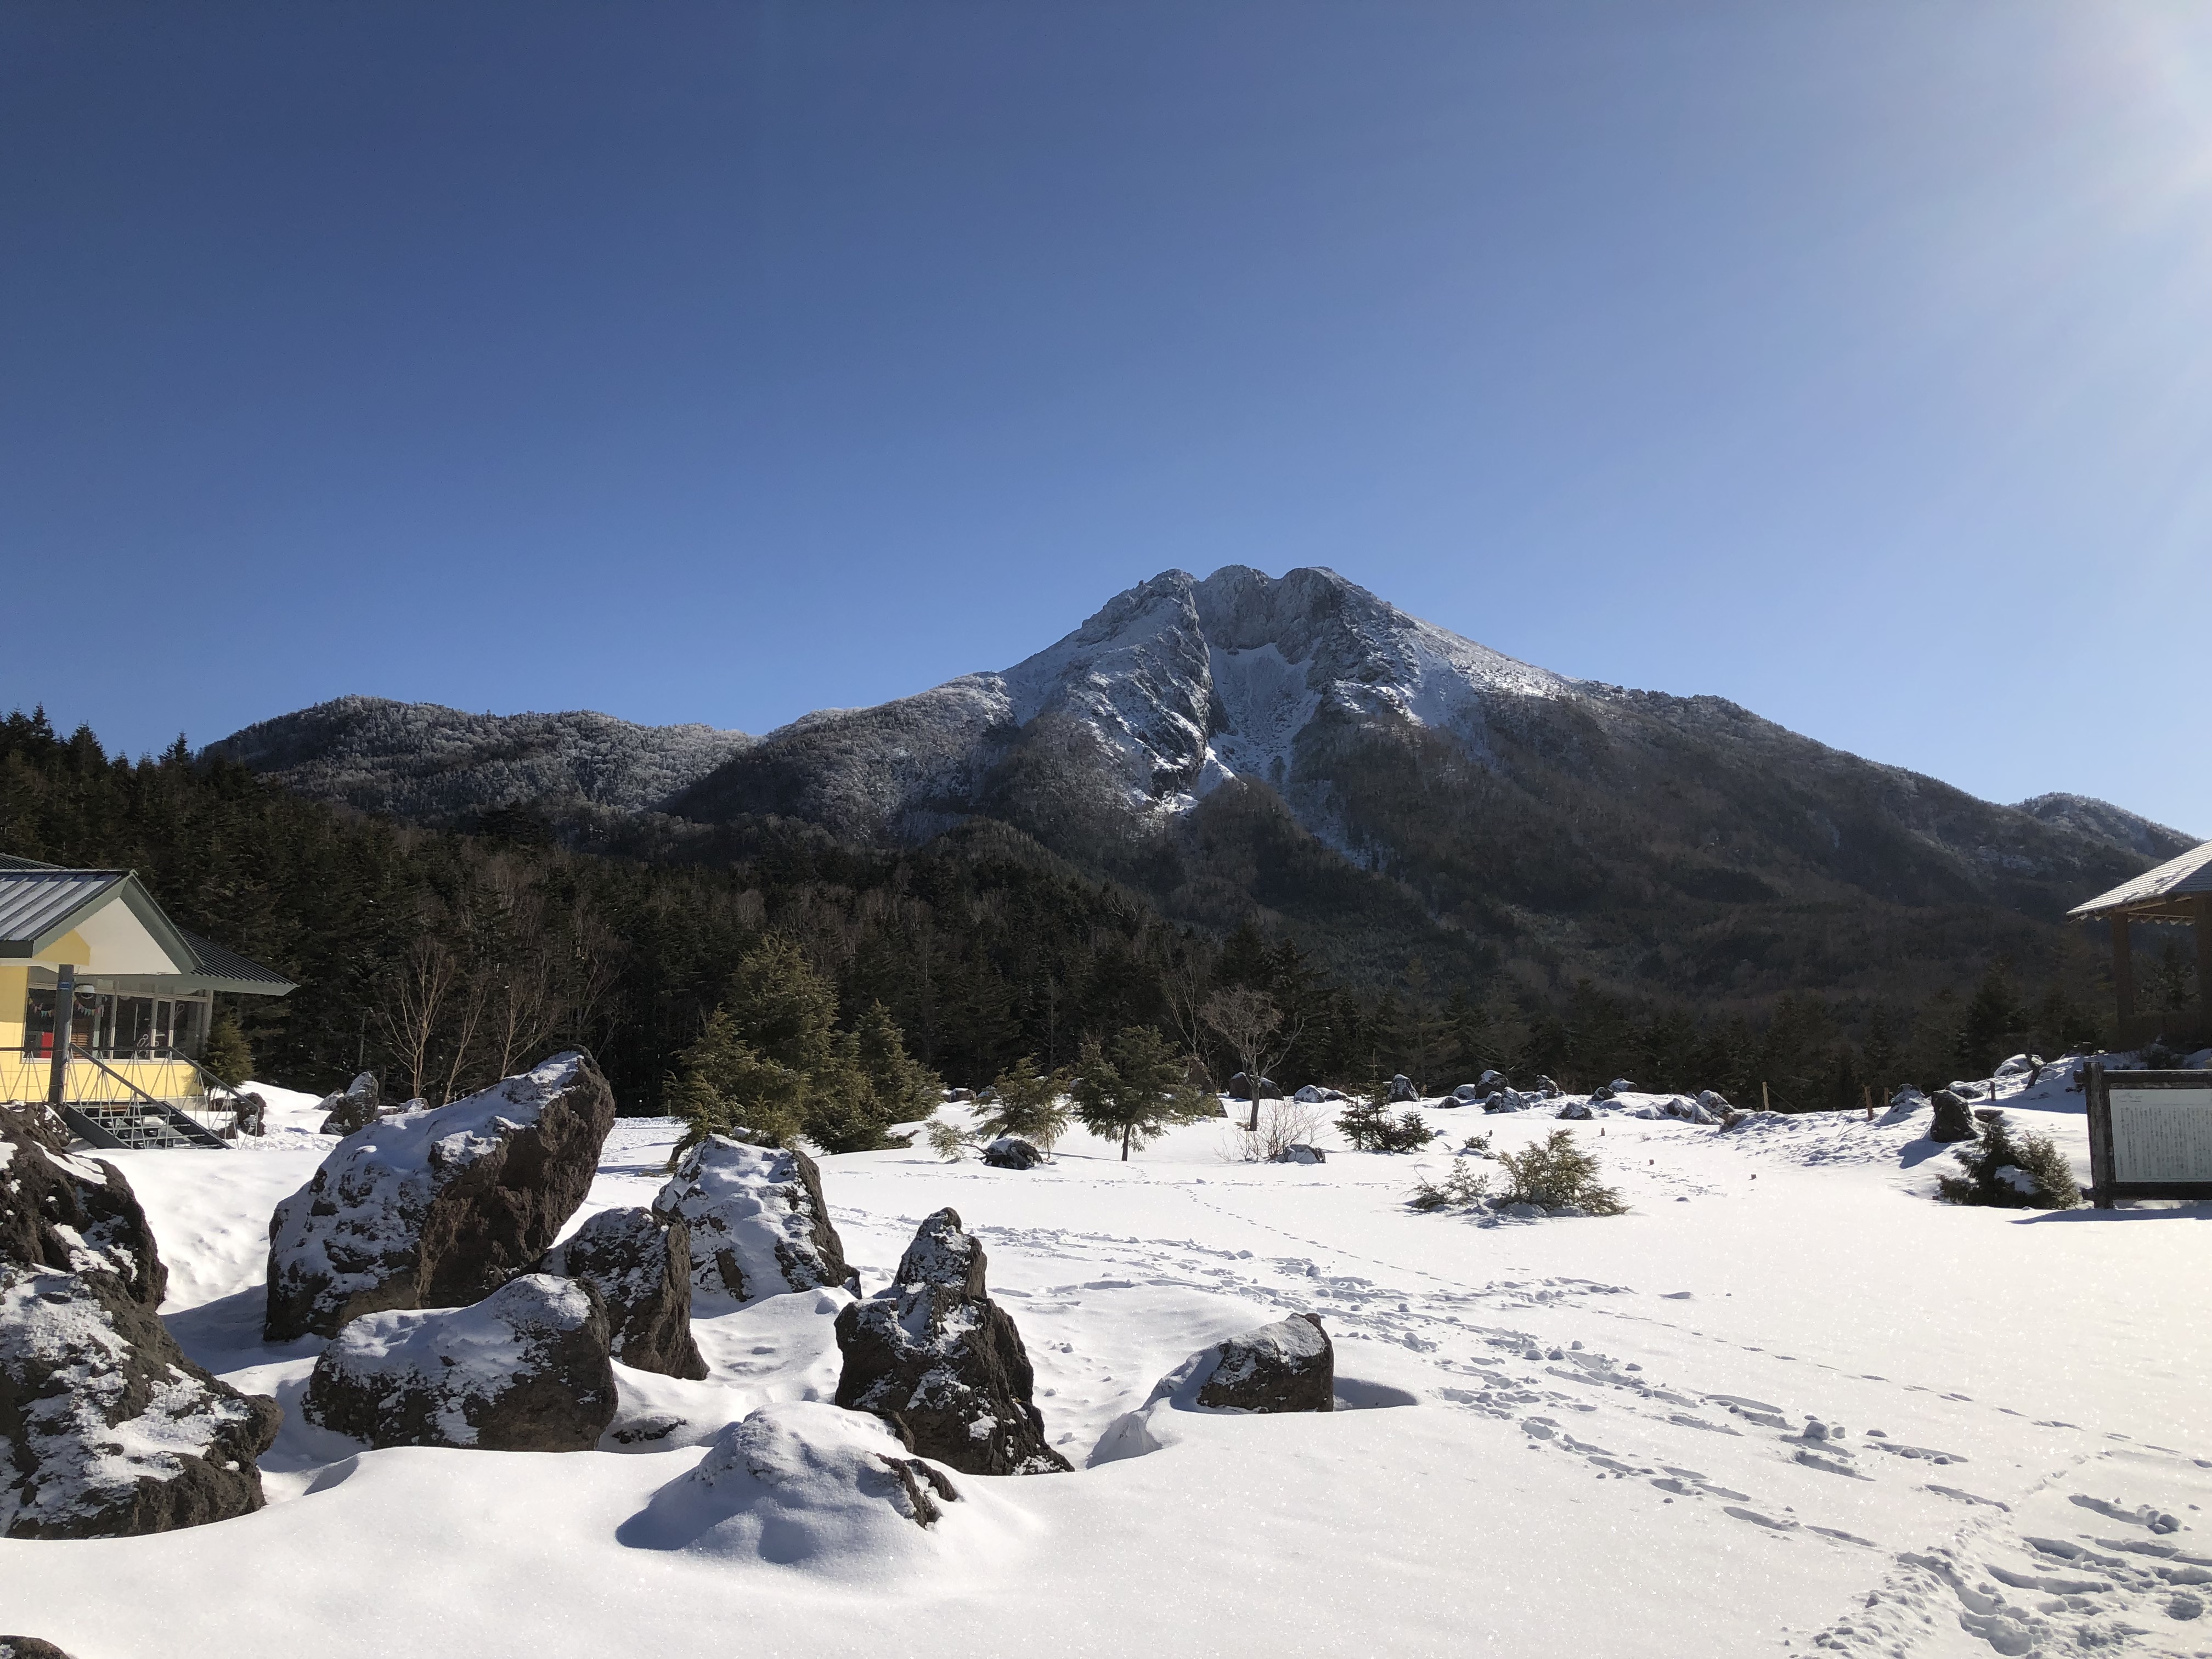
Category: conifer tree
[1134,1092]
[229,1059]
[725,1087]
[1028,1104]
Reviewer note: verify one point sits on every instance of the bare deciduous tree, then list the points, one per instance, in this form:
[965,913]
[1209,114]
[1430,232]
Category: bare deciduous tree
[1252,1026]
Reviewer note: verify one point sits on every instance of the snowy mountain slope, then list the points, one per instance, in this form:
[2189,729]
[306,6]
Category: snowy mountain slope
[421,760]
[1587,1437]
[2087,816]
[1483,781]
[1298,746]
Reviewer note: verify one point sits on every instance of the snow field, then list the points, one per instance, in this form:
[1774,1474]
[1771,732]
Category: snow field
[1650,1434]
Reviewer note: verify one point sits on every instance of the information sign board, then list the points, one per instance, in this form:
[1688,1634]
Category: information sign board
[2150,1135]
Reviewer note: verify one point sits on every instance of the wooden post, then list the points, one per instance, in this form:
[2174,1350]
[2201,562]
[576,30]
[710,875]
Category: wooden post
[1765,1104]
[65,1028]
[2204,931]
[2124,976]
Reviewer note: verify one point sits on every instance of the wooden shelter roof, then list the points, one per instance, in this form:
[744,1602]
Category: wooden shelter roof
[2167,893]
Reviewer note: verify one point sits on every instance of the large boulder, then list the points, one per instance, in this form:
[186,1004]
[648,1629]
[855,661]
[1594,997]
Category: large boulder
[1240,1088]
[941,1363]
[106,1430]
[1402,1089]
[525,1369]
[1012,1153]
[438,1209]
[758,1224]
[1953,1119]
[29,1647]
[1579,1110]
[640,1264]
[1287,1366]
[354,1106]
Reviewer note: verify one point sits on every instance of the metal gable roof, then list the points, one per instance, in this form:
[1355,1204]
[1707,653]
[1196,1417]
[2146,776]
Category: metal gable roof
[37,904]
[2176,878]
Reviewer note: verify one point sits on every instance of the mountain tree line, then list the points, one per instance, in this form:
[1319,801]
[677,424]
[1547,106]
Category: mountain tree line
[442,960]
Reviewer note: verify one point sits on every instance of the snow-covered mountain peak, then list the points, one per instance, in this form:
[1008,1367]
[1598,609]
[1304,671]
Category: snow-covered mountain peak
[1188,683]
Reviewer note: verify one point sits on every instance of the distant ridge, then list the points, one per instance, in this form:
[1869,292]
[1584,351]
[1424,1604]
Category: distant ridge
[425,761]
[2087,815]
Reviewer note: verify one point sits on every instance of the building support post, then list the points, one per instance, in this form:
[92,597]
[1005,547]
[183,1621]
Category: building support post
[2124,976]
[2204,931]
[65,1029]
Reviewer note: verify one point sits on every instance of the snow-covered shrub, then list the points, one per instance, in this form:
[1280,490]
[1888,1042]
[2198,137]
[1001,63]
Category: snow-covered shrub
[2030,1174]
[1479,1146]
[1283,1124]
[1368,1125]
[1463,1185]
[1555,1172]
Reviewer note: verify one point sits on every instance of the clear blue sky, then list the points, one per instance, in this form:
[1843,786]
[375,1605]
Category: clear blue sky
[720,361]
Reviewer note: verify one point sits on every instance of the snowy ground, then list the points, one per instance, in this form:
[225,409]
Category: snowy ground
[1575,1437]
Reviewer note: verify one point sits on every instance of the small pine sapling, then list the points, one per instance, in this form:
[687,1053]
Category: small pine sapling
[1134,1092]
[1461,1185]
[1556,1172]
[949,1140]
[2030,1174]
[1027,1104]
[1368,1125]
[227,1058]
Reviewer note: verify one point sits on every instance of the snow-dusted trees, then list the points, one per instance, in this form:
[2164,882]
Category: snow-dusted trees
[772,1063]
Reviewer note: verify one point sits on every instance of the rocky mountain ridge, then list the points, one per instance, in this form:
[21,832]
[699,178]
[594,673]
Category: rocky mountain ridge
[1298,747]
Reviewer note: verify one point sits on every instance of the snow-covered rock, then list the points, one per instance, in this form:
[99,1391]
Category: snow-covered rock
[525,1369]
[1575,1111]
[1287,1366]
[1299,1153]
[640,1264]
[1012,1153]
[1240,1088]
[940,1362]
[354,1106]
[437,1209]
[1402,1089]
[1953,1120]
[805,1485]
[29,1647]
[107,1429]
[759,1226]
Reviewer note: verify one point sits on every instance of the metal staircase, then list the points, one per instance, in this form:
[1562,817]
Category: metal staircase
[108,1110]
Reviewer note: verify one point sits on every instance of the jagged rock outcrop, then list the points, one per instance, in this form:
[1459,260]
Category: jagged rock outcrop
[438,1209]
[640,1264]
[1287,1366]
[1953,1119]
[759,1226]
[107,1429]
[354,1106]
[940,1362]
[525,1369]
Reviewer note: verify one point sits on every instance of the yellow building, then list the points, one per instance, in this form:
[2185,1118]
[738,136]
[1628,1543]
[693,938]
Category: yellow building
[139,991]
